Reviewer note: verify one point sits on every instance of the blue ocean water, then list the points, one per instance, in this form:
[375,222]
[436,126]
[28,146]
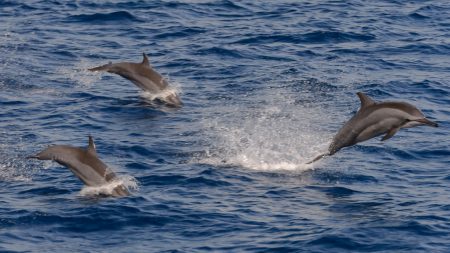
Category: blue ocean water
[265,86]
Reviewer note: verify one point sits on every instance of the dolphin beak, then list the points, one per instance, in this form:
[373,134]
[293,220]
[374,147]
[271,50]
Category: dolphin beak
[100,68]
[427,122]
[33,157]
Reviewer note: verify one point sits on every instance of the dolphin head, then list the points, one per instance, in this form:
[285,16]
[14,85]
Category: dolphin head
[110,67]
[46,154]
[419,122]
[56,152]
[123,68]
[415,117]
[51,153]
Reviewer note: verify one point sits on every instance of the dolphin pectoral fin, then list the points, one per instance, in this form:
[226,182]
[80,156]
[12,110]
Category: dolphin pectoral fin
[318,158]
[390,133]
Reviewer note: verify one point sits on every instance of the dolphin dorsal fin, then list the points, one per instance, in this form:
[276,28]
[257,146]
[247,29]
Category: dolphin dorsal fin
[91,147]
[365,100]
[145,61]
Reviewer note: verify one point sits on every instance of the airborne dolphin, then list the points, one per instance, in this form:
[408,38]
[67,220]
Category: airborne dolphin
[374,119]
[84,163]
[144,76]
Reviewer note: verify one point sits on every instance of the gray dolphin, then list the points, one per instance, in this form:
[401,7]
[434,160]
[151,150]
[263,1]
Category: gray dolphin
[144,76]
[374,119]
[84,163]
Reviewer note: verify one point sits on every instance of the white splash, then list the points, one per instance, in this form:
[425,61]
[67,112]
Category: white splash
[107,189]
[10,42]
[15,169]
[80,74]
[9,174]
[173,90]
[13,166]
[278,137]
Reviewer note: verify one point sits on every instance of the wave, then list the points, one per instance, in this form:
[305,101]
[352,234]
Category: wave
[113,17]
[312,37]
[222,52]
[198,181]
[176,32]
[418,16]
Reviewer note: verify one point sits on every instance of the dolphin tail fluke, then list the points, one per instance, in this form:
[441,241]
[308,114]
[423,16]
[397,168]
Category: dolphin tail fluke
[318,158]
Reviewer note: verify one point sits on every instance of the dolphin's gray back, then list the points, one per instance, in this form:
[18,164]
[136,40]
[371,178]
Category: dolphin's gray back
[90,169]
[145,77]
[141,75]
[86,166]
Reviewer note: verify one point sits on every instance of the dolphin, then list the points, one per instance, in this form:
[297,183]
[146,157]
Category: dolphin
[374,119]
[84,163]
[144,76]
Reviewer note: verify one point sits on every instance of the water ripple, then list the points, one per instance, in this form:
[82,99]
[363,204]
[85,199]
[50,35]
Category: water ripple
[104,18]
[265,86]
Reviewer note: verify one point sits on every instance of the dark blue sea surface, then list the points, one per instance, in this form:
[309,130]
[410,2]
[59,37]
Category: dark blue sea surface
[265,86]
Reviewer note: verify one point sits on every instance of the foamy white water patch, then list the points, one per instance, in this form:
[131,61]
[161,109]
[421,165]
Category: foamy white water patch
[8,173]
[173,89]
[13,165]
[80,74]
[107,189]
[10,42]
[15,169]
[280,136]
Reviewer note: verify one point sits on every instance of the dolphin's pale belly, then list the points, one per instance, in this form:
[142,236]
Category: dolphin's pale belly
[87,174]
[146,84]
[378,128]
[379,122]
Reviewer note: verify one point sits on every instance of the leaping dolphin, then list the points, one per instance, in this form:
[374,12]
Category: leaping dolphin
[144,76]
[374,119]
[84,163]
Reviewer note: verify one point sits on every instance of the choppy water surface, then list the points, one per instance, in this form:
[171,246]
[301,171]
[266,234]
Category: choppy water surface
[265,86]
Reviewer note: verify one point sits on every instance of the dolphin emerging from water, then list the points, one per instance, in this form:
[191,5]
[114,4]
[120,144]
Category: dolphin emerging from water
[374,119]
[144,76]
[84,163]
